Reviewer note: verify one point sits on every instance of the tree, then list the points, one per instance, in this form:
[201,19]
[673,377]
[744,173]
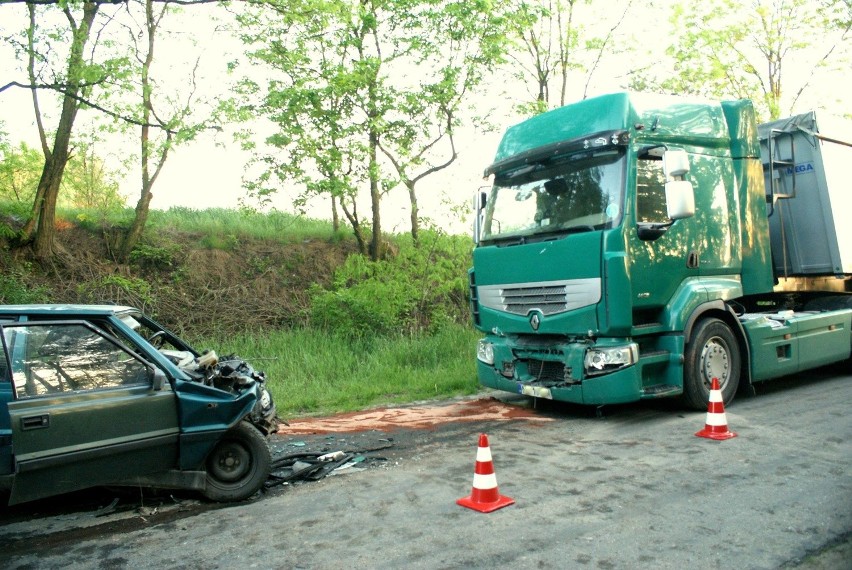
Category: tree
[158,134]
[555,45]
[95,75]
[88,183]
[358,84]
[80,75]
[466,41]
[727,48]
[20,169]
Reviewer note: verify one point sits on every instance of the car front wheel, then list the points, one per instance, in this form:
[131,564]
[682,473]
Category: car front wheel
[238,465]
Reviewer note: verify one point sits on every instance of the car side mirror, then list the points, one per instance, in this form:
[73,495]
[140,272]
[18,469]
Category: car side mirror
[158,378]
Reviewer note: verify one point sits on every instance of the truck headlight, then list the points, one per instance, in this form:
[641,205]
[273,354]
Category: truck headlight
[607,359]
[485,352]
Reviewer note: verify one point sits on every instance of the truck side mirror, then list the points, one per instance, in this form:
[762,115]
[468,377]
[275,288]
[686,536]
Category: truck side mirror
[480,198]
[680,196]
[675,163]
[680,199]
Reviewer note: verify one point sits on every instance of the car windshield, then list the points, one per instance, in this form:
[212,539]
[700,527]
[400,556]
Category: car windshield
[564,194]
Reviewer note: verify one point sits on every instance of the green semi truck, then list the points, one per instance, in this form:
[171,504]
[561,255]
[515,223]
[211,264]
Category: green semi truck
[634,247]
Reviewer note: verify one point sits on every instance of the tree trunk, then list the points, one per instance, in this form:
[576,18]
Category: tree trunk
[415,211]
[335,217]
[356,226]
[134,233]
[54,166]
[375,197]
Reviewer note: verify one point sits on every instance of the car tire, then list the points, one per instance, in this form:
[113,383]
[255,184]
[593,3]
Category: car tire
[713,351]
[239,464]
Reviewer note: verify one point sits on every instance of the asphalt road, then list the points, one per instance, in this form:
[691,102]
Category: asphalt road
[634,488]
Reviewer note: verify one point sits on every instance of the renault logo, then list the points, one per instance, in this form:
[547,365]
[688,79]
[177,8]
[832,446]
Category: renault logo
[535,321]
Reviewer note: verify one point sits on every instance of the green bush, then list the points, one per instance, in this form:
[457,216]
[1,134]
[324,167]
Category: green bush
[153,256]
[15,291]
[422,289]
[119,290]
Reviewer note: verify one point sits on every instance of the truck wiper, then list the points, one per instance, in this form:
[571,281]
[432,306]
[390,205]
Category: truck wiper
[565,231]
[505,241]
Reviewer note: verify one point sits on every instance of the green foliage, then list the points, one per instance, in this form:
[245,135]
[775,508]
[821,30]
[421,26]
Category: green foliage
[244,223]
[86,184]
[723,49]
[20,169]
[151,256]
[420,289]
[312,372]
[117,289]
[342,95]
[15,290]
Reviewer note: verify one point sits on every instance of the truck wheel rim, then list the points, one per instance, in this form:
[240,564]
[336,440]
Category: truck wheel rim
[715,362]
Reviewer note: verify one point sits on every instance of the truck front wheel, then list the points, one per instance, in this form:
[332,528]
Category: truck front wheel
[238,465]
[713,352]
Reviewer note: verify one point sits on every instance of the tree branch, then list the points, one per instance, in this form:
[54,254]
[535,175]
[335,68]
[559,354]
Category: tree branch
[93,105]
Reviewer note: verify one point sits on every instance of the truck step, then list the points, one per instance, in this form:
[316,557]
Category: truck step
[646,358]
[661,391]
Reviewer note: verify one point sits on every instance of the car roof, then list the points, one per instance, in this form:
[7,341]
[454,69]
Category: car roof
[66,310]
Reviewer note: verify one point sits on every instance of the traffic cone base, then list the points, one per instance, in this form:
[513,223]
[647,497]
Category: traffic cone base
[716,424]
[484,497]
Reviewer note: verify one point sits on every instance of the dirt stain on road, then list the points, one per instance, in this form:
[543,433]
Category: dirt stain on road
[415,417]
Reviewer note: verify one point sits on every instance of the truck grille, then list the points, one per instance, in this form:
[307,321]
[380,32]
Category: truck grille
[549,297]
[546,370]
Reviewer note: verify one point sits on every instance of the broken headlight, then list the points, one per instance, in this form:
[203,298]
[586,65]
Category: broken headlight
[600,360]
[485,352]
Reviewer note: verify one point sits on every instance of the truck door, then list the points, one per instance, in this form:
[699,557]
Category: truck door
[660,251]
[85,412]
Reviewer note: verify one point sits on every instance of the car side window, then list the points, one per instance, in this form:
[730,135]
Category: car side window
[55,358]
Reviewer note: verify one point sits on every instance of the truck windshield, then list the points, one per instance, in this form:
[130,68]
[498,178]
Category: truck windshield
[564,194]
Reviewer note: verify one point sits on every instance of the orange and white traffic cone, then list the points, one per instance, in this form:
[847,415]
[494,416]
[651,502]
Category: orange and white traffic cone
[484,497]
[716,424]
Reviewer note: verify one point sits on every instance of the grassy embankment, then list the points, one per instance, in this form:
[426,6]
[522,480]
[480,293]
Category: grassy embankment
[312,372]
[351,334]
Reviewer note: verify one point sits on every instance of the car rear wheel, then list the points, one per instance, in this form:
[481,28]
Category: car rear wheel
[238,465]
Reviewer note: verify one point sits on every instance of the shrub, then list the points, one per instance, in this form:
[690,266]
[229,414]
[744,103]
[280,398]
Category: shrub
[15,291]
[423,288]
[117,289]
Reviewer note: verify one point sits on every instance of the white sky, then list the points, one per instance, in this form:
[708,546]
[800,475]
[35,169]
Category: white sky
[201,174]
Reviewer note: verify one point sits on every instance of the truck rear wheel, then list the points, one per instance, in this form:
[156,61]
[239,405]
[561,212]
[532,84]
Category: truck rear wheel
[239,464]
[713,352]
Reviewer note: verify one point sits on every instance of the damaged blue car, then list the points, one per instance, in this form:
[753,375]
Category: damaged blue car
[94,395]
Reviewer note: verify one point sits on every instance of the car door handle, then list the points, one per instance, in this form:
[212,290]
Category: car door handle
[35,422]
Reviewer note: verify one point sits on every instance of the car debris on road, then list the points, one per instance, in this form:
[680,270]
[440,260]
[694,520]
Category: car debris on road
[315,465]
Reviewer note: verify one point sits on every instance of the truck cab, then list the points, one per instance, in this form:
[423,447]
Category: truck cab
[623,252]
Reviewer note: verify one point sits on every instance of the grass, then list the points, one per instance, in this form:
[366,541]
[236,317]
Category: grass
[312,373]
[240,223]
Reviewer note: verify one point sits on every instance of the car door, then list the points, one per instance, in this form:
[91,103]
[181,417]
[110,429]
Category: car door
[6,396]
[86,410]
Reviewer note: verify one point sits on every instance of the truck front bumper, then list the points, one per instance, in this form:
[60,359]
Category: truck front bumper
[557,370]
